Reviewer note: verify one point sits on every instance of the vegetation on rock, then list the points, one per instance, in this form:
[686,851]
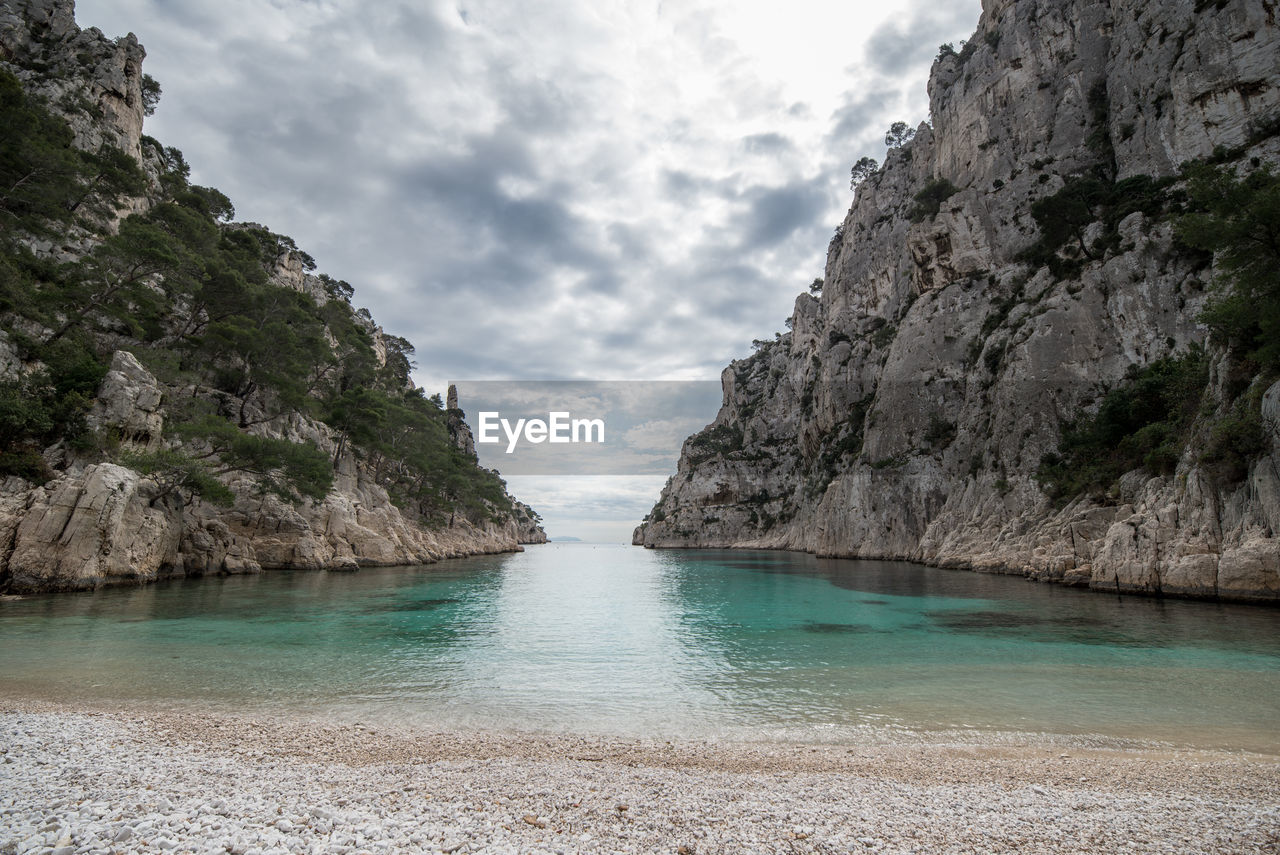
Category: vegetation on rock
[929,200]
[899,134]
[1142,423]
[204,303]
[1065,219]
[862,170]
[1237,218]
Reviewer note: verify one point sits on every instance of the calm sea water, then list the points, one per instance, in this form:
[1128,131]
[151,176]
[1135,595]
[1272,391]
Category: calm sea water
[622,640]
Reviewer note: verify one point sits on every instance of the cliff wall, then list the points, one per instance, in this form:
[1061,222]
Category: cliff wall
[95,518]
[906,412]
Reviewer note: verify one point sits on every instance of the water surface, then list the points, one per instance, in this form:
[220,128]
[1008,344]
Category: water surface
[622,640]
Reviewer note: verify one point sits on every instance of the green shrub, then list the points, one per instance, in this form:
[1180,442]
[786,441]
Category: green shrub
[48,405]
[48,183]
[715,442]
[940,433]
[1235,440]
[176,473]
[1064,217]
[993,357]
[884,335]
[1141,423]
[841,444]
[1237,218]
[929,200]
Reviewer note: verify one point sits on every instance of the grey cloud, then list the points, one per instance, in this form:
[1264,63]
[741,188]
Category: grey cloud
[457,184]
[681,185]
[684,186]
[855,116]
[631,243]
[776,212]
[401,26]
[203,15]
[538,106]
[603,282]
[464,190]
[904,42]
[769,143]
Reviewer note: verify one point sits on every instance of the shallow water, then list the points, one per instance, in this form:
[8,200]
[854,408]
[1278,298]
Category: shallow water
[622,640]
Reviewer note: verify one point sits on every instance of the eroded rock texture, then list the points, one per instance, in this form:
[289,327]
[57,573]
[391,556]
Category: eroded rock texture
[97,523]
[907,411]
[102,523]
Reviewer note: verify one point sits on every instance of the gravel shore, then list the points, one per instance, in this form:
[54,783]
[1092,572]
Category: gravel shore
[84,779]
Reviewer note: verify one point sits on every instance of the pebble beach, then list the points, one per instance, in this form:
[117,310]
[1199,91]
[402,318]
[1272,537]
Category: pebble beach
[98,779]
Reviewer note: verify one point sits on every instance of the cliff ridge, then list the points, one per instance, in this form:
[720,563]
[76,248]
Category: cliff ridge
[917,403]
[181,393]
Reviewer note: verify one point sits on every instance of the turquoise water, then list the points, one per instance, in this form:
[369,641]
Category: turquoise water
[622,640]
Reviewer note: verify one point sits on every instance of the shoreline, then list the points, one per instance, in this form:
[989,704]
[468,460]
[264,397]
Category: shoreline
[1027,573]
[252,781]
[345,566]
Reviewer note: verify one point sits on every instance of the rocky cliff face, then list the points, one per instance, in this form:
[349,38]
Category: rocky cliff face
[102,523]
[95,82]
[905,414]
[97,522]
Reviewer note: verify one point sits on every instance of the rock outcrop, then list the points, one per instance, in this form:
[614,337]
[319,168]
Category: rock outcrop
[128,404]
[95,522]
[906,412]
[79,532]
[459,430]
[95,82]
[103,523]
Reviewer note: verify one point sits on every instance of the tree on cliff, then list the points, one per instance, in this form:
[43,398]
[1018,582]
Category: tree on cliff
[898,135]
[1238,219]
[202,303]
[862,170]
[150,95]
[216,447]
[45,182]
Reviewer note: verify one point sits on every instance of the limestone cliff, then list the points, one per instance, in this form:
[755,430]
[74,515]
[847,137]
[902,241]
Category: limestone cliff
[103,523]
[906,412]
[83,514]
[95,82]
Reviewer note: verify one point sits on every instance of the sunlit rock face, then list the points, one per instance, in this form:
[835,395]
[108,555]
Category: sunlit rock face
[906,412]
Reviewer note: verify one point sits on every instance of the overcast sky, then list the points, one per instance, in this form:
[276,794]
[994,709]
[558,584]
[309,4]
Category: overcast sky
[561,189]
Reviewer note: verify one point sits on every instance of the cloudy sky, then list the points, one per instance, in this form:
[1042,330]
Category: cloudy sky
[563,189]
